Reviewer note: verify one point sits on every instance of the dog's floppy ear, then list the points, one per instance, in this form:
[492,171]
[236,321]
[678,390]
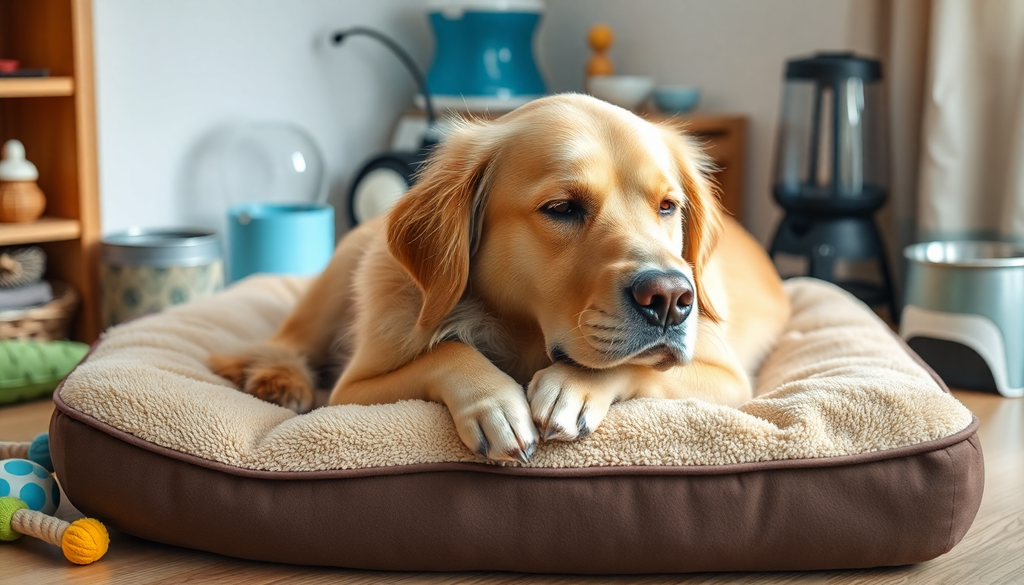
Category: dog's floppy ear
[433,228]
[703,214]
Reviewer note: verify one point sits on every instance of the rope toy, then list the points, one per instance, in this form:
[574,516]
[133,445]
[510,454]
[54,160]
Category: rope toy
[83,541]
[25,471]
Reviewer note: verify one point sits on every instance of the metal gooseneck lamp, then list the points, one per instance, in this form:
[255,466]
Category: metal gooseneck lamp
[386,177]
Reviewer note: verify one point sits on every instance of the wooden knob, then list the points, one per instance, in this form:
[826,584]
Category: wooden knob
[600,38]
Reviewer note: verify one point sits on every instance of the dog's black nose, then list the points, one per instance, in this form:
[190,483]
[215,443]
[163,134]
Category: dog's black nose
[663,298]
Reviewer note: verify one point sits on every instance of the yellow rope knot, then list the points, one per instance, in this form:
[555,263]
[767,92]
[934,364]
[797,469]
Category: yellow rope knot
[85,541]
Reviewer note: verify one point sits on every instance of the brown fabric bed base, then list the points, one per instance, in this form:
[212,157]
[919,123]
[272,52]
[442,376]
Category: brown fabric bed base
[896,507]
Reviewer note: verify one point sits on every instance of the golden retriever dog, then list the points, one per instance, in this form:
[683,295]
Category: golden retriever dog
[546,265]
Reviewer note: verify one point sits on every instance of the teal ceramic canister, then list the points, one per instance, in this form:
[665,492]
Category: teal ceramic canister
[145,270]
[279,238]
[484,53]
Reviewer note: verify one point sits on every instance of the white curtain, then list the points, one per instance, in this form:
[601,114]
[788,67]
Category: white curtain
[971,173]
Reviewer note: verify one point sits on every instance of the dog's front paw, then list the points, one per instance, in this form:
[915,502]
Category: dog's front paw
[230,367]
[568,402]
[495,422]
[275,374]
[285,384]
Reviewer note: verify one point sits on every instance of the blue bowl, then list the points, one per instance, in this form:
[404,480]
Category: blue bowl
[676,100]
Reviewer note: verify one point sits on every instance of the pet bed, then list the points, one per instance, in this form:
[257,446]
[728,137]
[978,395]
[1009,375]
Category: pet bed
[852,455]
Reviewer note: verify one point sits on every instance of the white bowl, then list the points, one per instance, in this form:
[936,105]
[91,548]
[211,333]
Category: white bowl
[627,91]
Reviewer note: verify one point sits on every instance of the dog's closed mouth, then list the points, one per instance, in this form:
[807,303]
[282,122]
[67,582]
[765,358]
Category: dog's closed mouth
[660,357]
[558,355]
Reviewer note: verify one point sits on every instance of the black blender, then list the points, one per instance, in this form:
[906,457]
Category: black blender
[830,173]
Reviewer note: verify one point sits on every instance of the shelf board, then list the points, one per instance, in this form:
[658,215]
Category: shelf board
[44,229]
[11,87]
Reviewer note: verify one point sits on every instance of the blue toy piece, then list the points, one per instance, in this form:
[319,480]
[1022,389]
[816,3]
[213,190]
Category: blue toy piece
[39,451]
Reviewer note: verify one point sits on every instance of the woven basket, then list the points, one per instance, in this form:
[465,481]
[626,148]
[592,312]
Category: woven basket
[43,323]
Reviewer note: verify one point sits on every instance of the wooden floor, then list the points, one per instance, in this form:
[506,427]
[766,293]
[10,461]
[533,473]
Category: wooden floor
[991,553]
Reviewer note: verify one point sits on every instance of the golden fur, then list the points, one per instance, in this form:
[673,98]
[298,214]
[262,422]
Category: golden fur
[480,291]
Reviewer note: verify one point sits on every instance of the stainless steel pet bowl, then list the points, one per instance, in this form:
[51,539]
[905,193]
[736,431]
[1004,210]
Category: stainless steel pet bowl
[964,312]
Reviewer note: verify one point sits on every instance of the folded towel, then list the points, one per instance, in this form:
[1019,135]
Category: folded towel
[27,296]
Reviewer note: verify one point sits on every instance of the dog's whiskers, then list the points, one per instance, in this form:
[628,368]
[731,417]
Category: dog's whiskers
[603,337]
[591,337]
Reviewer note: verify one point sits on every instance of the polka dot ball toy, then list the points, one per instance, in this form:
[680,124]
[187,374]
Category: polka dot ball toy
[30,482]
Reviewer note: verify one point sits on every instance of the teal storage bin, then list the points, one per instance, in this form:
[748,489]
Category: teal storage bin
[279,238]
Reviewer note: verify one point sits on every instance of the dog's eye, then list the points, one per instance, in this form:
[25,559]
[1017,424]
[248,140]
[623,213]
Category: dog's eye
[668,207]
[563,209]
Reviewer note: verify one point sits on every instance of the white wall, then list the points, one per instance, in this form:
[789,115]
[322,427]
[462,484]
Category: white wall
[170,72]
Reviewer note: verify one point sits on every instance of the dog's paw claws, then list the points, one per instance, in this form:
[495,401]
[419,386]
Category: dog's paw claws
[519,455]
[530,450]
[582,428]
[497,427]
[567,403]
[484,446]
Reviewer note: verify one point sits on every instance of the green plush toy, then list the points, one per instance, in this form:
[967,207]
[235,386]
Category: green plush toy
[30,369]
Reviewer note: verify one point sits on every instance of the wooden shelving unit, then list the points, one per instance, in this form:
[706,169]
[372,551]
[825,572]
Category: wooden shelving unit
[45,229]
[55,117]
[12,87]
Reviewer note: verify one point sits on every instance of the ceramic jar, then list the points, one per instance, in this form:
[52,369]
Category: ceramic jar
[145,270]
[21,199]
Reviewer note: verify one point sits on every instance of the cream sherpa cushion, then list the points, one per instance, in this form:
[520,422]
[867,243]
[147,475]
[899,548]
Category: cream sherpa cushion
[838,383]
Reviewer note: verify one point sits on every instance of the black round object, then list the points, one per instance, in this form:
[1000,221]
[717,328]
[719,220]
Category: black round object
[834,66]
[403,164]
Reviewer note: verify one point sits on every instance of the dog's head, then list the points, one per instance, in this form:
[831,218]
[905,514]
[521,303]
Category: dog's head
[571,216]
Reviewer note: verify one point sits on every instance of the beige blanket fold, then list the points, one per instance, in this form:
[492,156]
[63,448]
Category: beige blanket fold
[838,383]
